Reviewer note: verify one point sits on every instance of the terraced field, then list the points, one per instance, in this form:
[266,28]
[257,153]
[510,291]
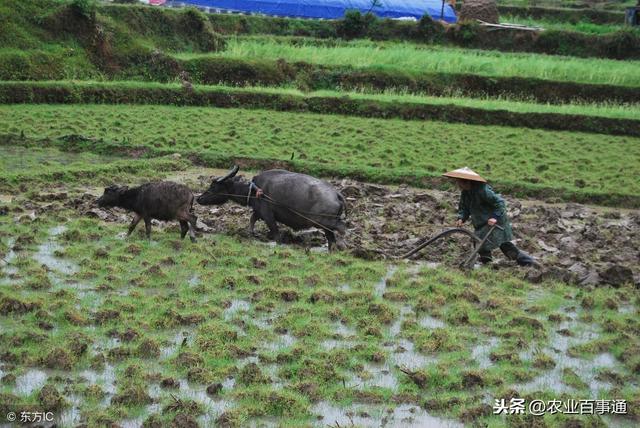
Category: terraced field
[373,148]
[410,57]
[104,329]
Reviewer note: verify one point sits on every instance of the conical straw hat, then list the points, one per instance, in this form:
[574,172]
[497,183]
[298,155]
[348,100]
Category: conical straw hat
[466,174]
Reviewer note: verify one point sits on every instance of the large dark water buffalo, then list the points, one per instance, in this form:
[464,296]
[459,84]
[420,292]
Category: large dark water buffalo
[164,200]
[296,200]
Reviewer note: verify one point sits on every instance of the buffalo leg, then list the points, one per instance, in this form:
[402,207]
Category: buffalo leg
[331,239]
[340,232]
[252,223]
[184,227]
[192,233]
[191,220]
[270,219]
[134,223]
[147,227]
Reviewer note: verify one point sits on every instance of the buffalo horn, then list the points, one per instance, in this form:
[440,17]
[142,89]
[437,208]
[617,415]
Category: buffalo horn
[232,172]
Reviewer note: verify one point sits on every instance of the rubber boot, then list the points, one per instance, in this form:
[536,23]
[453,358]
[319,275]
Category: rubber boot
[485,257]
[524,259]
[513,253]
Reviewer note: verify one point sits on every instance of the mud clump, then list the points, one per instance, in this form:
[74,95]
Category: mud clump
[170,383]
[50,398]
[617,275]
[511,357]
[182,420]
[189,360]
[186,407]
[528,322]
[118,354]
[9,305]
[322,296]
[289,295]
[310,390]
[153,421]
[252,375]
[227,420]
[254,279]
[8,379]
[133,395]
[395,296]
[78,344]
[148,348]
[258,263]
[382,312]
[543,361]
[58,358]
[473,413]
[106,315]
[472,379]
[126,336]
[214,389]
[418,377]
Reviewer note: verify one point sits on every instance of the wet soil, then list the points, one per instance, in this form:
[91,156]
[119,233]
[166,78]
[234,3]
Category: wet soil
[574,243]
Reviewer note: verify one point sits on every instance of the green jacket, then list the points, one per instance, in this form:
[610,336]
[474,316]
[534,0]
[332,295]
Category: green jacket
[480,204]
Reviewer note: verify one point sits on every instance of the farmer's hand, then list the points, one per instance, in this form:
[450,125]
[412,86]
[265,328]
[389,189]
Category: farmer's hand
[459,222]
[492,221]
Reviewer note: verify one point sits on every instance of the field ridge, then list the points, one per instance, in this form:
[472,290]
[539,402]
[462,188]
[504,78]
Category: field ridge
[114,93]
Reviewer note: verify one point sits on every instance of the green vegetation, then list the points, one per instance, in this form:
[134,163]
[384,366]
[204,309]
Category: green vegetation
[231,330]
[595,4]
[608,110]
[287,100]
[108,330]
[580,26]
[613,110]
[377,149]
[411,57]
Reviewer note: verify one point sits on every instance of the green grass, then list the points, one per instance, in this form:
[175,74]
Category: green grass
[628,111]
[430,59]
[580,27]
[152,295]
[516,158]
[608,110]
[604,4]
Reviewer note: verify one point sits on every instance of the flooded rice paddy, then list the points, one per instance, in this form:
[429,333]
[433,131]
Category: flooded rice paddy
[108,329]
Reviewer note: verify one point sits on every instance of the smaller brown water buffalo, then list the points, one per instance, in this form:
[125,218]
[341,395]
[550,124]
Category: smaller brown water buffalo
[164,200]
[297,200]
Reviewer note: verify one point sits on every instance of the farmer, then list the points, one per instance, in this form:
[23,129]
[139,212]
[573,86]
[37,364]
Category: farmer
[486,209]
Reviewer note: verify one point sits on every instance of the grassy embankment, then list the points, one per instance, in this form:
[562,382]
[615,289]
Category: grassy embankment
[411,57]
[601,167]
[602,4]
[605,110]
[328,102]
[111,330]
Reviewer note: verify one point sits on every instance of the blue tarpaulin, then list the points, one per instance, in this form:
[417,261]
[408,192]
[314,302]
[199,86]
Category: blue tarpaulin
[332,9]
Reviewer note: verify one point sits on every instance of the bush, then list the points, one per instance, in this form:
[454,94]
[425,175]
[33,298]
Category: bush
[622,44]
[354,24]
[428,30]
[84,8]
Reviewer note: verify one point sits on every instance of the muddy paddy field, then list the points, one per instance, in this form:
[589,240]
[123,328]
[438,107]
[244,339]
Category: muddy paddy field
[105,330]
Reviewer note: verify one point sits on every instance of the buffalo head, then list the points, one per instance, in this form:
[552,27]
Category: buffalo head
[111,196]
[220,189]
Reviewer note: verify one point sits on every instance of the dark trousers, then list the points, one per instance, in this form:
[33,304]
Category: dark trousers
[508,249]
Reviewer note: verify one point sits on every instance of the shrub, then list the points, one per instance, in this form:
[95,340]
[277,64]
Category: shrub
[84,8]
[354,24]
[429,30]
